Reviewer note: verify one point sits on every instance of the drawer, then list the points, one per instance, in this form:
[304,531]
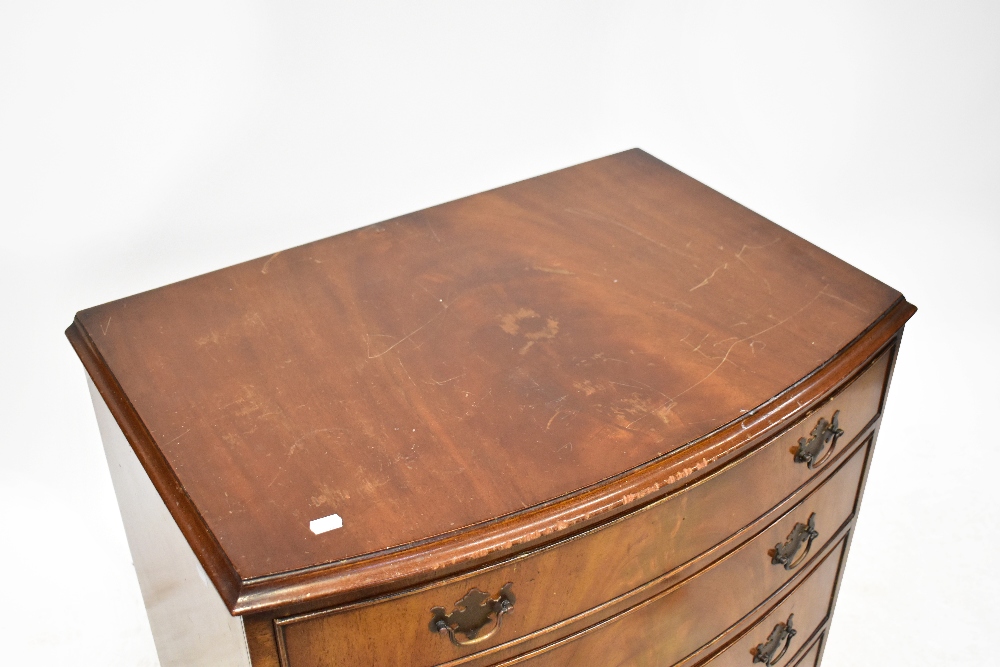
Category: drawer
[806,609]
[811,658]
[552,584]
[691,616]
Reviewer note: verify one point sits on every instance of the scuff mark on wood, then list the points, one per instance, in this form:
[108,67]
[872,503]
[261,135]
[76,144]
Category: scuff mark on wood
[741,260]
[267,264]
[600,218]
[549,269]
[443,382]
[687,472]
[710,276]
[444,307]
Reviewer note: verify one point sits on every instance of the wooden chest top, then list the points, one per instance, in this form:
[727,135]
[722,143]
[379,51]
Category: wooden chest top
[445,376]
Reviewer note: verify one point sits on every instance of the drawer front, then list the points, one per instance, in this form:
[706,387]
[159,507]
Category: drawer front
[811,658]
[808,608]
[675,624]
[578,574]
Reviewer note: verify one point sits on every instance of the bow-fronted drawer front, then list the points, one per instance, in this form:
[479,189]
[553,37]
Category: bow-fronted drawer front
[811,656]
[490,609]
[783,636]
[696,618]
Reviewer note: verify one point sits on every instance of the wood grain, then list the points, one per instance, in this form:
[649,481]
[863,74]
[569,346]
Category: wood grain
[810,603]
[566,581]
[649,634]
[472,379]
[607,562]
[811,656]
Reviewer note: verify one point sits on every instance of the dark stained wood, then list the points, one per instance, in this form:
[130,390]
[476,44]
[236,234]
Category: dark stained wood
[810,603]
[261,642]
[580,577]
[654,634]
[811,656]
[473,379]
[614,559]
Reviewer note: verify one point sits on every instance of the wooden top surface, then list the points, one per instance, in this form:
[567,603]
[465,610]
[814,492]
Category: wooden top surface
[442,369]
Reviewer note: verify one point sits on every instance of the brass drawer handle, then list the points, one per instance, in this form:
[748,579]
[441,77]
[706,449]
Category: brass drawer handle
[782,634]
[824,433]
[471,614]
[784,554]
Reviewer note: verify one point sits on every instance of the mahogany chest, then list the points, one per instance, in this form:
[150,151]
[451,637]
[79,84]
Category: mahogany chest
[605,416]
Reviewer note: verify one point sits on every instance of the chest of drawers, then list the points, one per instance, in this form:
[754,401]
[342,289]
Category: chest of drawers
[604,416]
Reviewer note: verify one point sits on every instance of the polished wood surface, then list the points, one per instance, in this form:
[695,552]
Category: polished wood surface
[717,597]
[810,604]
[646,636]
[190,624]
[613,560]
[811,656]
[472,379]
[603,416]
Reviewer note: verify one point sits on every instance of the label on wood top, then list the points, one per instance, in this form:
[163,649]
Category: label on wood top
[468,361]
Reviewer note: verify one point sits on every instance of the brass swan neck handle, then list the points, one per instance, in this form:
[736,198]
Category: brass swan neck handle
[471,614]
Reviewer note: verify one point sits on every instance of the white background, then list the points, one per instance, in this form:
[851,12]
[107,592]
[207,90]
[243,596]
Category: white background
[141,144]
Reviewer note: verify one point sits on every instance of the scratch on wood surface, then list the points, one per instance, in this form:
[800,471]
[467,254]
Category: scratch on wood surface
[710,276]
[298,443]
[700,343]
[254,320]
[371,486]
[429,293]
[432,231]
[552,419]
[624,384]
[173,440]
[726,340]
[267,264]
[750,337]
[739,258]
[329,496]
[549,269]
[662,409]
[248,396]
[697,348]
[104,329]
[407,337]
[476,402]
[249,403]
[212,337]
[649,387]
[433,381]
[565,523]
[600,357]
[406,371]
[834,296]
[600,218]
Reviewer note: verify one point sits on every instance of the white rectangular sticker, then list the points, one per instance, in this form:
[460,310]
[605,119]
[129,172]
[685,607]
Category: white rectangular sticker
[326,524]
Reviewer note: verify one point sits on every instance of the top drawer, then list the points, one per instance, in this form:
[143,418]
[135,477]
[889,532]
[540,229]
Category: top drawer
[560,581]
